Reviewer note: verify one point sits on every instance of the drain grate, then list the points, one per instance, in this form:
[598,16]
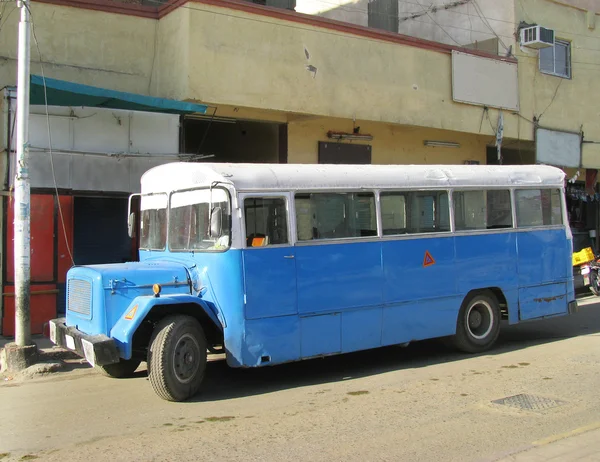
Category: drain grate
[529,402]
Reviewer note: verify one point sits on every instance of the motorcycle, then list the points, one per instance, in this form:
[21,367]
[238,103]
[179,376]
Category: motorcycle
[594,269]
[587,268]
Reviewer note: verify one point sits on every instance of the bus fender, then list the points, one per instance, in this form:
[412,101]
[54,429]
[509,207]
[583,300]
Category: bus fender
[123,330]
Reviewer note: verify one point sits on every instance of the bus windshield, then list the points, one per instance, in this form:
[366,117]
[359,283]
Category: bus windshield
[153,222]
[190,216]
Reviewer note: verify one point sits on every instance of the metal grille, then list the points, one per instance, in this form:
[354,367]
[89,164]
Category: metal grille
[79,298]
[529,402]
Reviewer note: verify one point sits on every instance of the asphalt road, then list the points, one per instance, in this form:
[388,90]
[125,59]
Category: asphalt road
[423,402]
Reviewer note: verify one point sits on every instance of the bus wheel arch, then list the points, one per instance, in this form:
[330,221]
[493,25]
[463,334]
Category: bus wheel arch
[478,322]
[143,334]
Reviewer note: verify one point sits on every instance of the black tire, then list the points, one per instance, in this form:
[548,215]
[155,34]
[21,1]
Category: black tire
[478,323]
[122,369]
[594,283]
[177,358]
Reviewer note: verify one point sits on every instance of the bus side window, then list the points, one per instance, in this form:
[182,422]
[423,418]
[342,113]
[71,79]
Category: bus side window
[482,210]
[538,207]
[415,212]
[335,215]
[266,221]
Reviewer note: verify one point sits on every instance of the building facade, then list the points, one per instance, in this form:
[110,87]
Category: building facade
[303,81]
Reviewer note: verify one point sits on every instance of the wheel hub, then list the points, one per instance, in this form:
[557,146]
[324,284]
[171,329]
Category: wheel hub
[480,320]
[475,319]
[185,358]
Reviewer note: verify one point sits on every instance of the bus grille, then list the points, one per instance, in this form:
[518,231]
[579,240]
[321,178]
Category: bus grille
[79,297]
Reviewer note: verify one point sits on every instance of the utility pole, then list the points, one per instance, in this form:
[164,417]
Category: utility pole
[22,202]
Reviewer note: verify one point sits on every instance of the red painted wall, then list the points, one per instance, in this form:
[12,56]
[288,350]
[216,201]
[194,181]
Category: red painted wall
[50,259]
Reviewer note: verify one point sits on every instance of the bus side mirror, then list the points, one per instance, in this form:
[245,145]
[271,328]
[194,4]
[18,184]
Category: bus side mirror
[131,225]
[215,223]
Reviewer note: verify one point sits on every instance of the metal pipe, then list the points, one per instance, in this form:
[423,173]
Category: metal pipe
[22,203]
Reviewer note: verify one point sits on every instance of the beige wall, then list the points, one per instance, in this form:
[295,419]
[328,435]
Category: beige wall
[95,48]
[220,56]
[461,25]
[391,144]
[563,104]
[356,76]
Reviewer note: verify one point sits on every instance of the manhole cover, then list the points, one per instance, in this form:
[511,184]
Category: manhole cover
[529,402]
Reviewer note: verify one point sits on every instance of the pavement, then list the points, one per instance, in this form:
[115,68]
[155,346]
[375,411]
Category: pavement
[582,444]
[419,403]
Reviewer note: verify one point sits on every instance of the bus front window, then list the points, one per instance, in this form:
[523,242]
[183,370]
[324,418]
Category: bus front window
[190,216]
[153,222]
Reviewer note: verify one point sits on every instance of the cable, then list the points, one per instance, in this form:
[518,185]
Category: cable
[206,131]
[552,100]
[479,11]
[154,51]
[60,211]
[365,12]
[443,30]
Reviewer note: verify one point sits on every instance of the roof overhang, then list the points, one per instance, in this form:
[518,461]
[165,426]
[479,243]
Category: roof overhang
[62,93]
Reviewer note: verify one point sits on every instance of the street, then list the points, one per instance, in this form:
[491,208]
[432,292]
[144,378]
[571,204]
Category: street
[424,402]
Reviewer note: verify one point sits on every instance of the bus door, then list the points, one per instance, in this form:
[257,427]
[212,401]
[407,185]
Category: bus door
[268,257]
[544,253]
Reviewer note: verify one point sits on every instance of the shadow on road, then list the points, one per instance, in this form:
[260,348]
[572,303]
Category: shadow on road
[222,382]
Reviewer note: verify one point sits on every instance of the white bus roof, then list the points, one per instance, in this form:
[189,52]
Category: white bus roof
[266,177]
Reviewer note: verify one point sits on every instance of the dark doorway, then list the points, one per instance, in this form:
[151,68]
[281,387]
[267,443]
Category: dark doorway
[235,140]
[100,231]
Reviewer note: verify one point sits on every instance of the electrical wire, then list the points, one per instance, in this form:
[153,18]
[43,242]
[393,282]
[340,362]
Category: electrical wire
[60,211]
[479,11]
[363,11]
[437,24]
[552,100]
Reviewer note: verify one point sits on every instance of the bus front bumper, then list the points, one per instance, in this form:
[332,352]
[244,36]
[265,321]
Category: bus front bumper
[98,350]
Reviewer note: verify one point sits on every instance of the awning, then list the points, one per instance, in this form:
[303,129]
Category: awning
[63,93]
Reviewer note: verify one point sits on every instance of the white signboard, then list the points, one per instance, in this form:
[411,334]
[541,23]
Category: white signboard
[484,81]
[561,149]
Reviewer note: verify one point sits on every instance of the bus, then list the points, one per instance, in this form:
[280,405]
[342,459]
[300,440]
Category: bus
[273,263]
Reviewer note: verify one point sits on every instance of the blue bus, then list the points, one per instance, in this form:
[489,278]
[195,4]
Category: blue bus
[277,263]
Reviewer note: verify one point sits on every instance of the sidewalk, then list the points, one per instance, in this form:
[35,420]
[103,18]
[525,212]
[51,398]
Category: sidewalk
[47,351]
[582,444]
[41,341]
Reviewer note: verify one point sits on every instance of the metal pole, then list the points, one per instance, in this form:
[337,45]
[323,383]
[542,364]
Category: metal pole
[22,186]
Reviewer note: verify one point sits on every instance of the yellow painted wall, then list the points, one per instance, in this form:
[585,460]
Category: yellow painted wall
[91,47]
[237,58]
[563,104]
[254,67]
[391,144]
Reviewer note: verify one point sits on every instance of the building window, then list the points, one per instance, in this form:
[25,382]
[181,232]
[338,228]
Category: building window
[556,60]
[383,14]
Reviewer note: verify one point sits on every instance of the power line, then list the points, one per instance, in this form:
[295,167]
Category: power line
[348,35]
[443,30]
[482,16]
[60,211]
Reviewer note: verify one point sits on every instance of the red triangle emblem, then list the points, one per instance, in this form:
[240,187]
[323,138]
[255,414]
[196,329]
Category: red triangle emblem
[428,260]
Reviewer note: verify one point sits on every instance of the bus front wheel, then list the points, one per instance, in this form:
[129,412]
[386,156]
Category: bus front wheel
[177,358]
[478,323]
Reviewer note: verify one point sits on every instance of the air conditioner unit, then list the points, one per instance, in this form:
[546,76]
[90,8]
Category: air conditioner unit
[537,37]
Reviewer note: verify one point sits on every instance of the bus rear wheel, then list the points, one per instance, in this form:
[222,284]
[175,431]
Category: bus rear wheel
[478,323]
[177,358]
